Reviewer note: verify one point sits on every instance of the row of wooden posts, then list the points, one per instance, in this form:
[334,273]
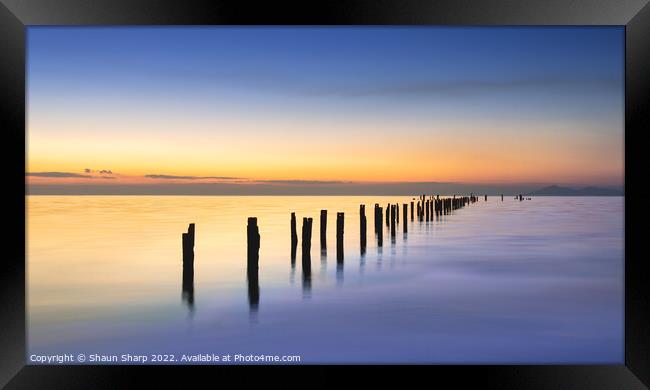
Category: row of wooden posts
[426,208]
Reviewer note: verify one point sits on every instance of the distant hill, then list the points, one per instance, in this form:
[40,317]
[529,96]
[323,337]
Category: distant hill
[586,191]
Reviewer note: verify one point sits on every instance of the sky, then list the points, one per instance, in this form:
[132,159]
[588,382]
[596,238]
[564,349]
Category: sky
[168,108]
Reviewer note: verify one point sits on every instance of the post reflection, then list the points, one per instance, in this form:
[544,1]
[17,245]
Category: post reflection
[253,289]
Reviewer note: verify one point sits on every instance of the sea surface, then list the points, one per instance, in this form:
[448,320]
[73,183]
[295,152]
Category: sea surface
[533,281]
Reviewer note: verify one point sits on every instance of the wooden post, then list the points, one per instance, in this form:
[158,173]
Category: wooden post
[323,229]
[188,245]
[377,218]
[362,227]
[502,197]
[339,236]
[306,253]
[190,232]
[427,210]
[294,238]
[411,211]
[380,230]
[397,212]
[306,244]
[188,266]
[387,214]
[405,207]
[253,240]
[486,197]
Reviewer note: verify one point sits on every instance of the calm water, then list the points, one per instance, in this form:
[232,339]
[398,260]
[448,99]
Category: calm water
[537,281]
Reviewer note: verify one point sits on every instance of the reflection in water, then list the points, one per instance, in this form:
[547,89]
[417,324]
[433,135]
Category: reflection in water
[253,289]
[427,270]
[294,248]
[188,285]
[339,272]
[380,256]
[323,262]
[306,274]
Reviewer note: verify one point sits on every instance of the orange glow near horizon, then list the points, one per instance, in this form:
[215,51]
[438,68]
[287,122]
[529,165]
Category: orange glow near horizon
[487,155]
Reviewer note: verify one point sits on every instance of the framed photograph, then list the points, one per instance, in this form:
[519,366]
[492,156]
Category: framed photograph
[217,187]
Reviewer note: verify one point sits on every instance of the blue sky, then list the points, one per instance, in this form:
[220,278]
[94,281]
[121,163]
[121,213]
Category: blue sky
[411,81]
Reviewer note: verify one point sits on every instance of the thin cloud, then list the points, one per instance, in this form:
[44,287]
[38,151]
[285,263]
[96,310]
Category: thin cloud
[307,182]
[58,174]
[100,171]
[465,87]
[171,177]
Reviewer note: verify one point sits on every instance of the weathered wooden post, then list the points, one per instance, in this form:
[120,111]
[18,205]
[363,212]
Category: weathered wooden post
[405,207]
[422,208]
[253,241]
[190,232]
[306,244]
[427,210]
[392,223]
[294,238]
[397,212]
[188,244]
[377,218]
[188,266]
[362,228]
[339,236]
[486,197]
[252,275]
[387,214]
[306,253]
[323,229]
[380,230]
[411,211]
[502,197]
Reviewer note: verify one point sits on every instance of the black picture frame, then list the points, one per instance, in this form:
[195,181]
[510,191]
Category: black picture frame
[16,15]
